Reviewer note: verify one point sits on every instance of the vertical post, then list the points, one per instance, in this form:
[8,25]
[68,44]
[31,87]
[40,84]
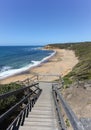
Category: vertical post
[14,126]
[17,123]
[59,80]
[28,106]
[26,111]
[23,117]
[37,77]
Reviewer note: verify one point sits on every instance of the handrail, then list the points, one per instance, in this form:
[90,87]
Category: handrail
[76,124]
[26,109]
[7,113]
[27,81]
[60,119]
[57,75]
[2,96]
[32,93]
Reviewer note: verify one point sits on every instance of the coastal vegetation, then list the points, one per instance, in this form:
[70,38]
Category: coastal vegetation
[8,102]
[82,71]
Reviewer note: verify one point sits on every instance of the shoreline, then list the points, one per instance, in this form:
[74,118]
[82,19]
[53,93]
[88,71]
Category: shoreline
[25,69]
[60,63]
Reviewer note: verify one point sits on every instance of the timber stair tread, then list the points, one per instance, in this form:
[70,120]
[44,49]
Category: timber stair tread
[42,115]
[37,128]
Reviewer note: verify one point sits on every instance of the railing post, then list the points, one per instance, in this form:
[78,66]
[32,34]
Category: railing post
[30,107]
[19,123]
[27,111]
[14,126]
[26,115]
[23,117]
[37,77]
[28,91]
[32,102]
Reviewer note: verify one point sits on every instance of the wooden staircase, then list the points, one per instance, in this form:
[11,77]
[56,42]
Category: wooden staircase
[42,116]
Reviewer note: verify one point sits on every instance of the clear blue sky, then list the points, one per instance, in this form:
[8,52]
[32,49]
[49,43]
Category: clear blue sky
[44,21]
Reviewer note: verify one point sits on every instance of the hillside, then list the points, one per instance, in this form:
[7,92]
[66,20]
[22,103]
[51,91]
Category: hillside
[82,71]
[77,83]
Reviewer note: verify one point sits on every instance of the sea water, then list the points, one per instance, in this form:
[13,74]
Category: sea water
[17,59]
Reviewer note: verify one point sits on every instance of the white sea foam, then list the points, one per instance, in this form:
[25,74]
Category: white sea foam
[5,68]
[48,57]
[8,71]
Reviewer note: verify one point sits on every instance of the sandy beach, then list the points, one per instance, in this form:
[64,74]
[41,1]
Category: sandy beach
[60,64]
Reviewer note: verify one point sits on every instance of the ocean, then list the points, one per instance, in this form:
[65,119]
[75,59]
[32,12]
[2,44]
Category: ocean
[17,59]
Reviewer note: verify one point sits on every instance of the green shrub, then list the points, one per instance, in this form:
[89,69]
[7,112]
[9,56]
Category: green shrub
[11,100]
[67,80]
[67,122]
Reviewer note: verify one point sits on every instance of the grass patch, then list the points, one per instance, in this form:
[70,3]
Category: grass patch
[67,80]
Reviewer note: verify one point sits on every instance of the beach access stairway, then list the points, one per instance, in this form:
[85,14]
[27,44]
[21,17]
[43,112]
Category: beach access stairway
[42,115]
[47,115]
[43,108]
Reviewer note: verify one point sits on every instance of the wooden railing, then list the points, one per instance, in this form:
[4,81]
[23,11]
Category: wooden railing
[28,81]
[31,94]
[58,99]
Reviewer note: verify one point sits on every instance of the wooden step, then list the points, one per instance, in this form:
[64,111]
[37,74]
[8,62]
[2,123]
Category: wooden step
[42,116]
[37,128]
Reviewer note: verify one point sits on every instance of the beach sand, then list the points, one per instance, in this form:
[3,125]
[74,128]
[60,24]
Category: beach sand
[60,64]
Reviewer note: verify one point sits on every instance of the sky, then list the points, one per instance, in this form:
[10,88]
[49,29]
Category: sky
[37,22]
